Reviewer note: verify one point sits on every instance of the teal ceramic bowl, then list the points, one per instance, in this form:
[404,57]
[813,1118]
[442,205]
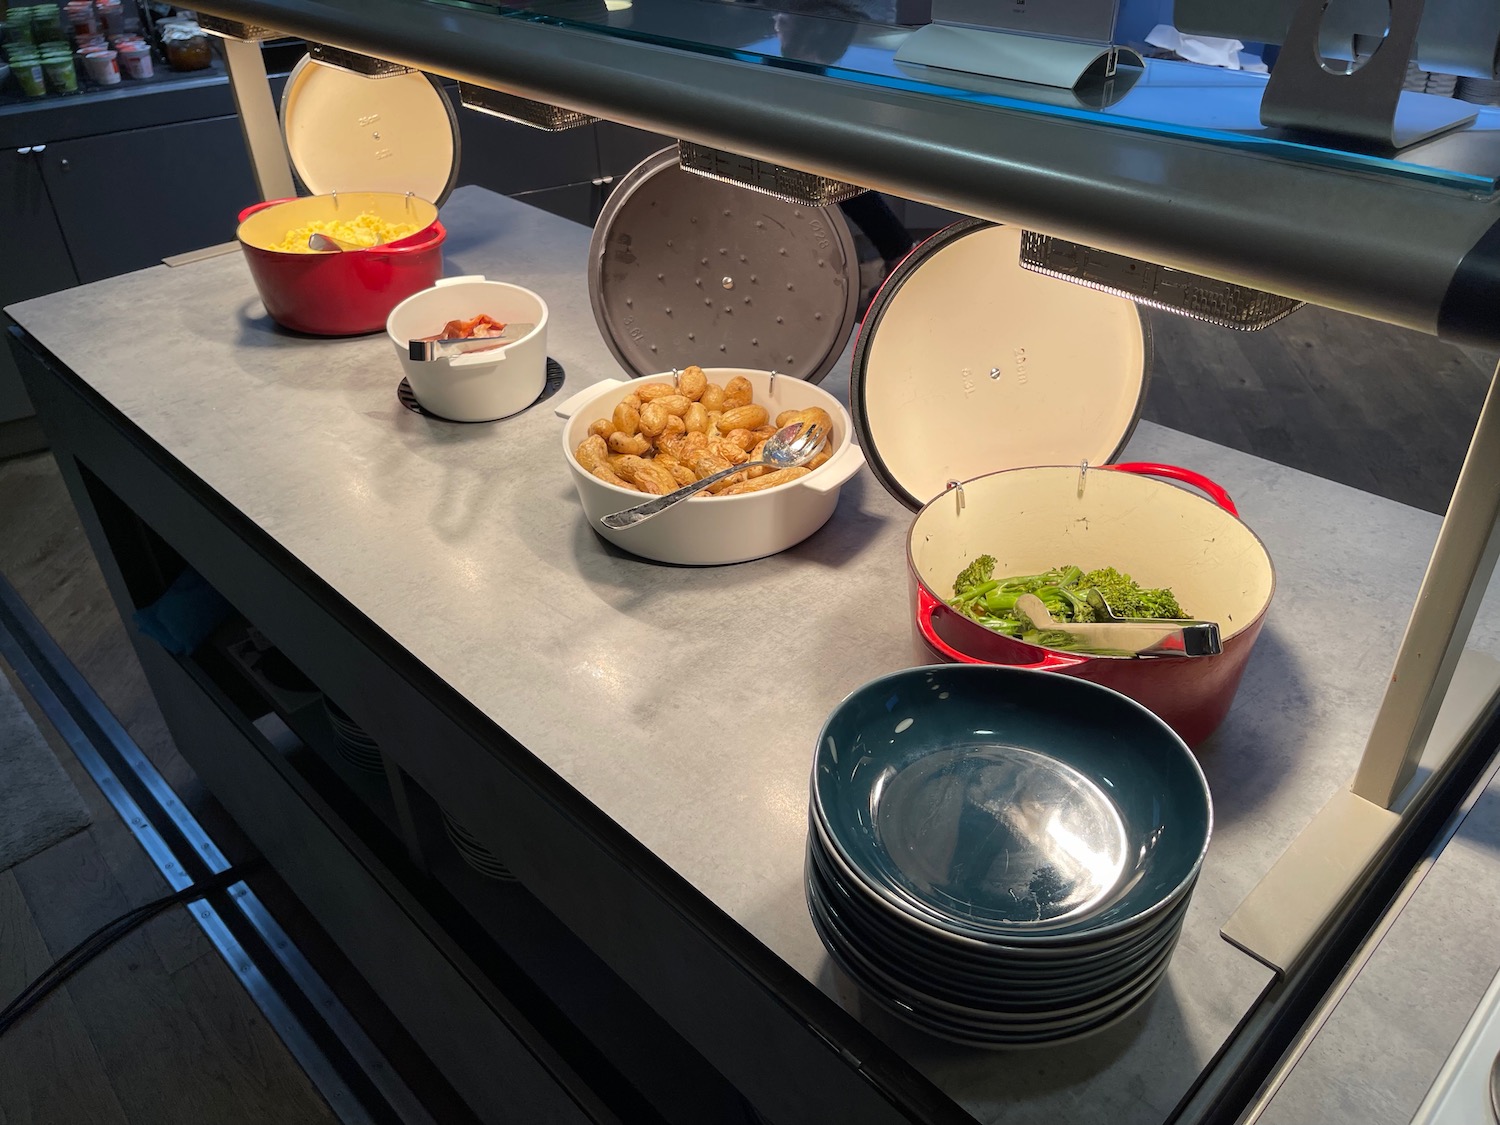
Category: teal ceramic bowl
[935,969]
[905,972]
[1011,805]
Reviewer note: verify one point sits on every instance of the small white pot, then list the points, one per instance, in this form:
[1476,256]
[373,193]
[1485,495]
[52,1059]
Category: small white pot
[712,530]
[482,386]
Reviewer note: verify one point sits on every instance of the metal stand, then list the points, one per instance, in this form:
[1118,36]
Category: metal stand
[1364,102]
[1458,575]
[1061,63]
[1436,696]
[258,120]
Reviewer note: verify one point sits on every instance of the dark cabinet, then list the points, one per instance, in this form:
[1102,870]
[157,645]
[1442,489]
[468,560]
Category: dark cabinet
[126,200]
[34,260]
[511,159]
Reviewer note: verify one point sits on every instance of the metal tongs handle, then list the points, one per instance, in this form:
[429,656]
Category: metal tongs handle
[1139,636]
[426,350]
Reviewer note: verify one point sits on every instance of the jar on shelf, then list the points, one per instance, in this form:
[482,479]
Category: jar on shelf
[27,69]
[18,31]
[111,16]
[186,46]
[46,24]
[82,19]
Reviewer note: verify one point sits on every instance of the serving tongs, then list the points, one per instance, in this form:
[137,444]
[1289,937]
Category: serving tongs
[1123,636]
[425,350]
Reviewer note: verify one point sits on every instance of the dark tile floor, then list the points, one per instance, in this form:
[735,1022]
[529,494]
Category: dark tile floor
[157,1030]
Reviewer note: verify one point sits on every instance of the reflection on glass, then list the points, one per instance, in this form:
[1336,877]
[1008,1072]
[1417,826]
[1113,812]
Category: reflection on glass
[855,41]
[822,31]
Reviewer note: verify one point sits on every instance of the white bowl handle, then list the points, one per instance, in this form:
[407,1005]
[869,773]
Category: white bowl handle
[479,359]
[837,470]
[568,405]
[461,280]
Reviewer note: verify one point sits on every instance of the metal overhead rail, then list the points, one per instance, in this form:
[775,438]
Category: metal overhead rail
[1378,245]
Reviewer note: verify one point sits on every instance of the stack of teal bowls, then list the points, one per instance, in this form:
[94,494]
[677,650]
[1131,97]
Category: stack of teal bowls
[1002,858]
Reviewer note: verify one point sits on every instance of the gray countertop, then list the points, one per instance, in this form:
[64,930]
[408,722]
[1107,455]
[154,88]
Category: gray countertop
[449,537]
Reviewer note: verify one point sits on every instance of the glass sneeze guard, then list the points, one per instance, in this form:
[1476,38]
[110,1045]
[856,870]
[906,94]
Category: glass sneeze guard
[1167,97]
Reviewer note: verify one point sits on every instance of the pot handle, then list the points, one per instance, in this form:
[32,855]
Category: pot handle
[836,471]
[1215,492]
[482,359]
[567,406]
[254,207]
[928,607]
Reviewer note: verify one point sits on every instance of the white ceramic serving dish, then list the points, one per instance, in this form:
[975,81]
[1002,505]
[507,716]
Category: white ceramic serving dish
[713,530]
[481,386]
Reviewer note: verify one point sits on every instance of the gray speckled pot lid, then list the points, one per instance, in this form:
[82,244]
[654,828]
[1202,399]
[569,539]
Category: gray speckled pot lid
[688,270]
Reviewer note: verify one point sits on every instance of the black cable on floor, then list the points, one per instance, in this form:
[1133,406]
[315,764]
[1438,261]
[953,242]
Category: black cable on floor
[106,935]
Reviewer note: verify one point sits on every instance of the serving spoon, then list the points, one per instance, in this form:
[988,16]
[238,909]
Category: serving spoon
[787,448]
[319,241]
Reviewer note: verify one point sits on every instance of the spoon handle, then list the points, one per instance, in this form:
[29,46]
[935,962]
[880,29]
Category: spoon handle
[617,521]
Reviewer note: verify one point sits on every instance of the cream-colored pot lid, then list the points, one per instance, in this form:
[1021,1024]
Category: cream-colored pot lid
[968,363]
[346,132]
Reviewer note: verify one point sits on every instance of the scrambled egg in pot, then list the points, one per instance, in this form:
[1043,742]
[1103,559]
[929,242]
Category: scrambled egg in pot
[366,230]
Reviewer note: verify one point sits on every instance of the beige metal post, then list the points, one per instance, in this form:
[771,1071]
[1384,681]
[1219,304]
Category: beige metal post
[1457,577]
[1326,866]
[258,120]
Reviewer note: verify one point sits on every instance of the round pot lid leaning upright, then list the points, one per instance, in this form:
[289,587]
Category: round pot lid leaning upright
[688,270]
[346,132]
[967,363]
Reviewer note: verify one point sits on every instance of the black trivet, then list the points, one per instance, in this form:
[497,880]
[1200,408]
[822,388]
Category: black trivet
[408,398]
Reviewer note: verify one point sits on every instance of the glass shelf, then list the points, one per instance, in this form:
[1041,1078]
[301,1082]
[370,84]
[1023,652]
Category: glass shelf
[1167,97]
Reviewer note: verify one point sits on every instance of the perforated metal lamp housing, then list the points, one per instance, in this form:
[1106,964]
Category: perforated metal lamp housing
[366,66]
[523,111]
[236,29]
[775,180]
[1222,303]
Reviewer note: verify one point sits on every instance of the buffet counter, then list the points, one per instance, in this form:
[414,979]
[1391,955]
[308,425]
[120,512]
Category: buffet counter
[581,709]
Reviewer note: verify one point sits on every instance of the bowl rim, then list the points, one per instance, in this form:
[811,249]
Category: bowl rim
[464,281]
[1145,480]
[592,394]
[407,244]
[1062,934]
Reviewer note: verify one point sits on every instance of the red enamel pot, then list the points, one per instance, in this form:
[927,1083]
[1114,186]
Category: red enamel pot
[1033,519]
[340,294]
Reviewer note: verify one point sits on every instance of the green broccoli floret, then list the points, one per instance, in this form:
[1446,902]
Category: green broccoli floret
[978,572]
[1160,603]
[1128,598]
[1063,590]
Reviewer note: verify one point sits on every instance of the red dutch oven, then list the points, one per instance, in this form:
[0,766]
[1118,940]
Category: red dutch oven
[339,294]
[987,422]
[388,146]
[1037,518]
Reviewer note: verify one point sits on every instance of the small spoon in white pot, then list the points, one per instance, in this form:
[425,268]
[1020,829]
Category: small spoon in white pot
[317,241]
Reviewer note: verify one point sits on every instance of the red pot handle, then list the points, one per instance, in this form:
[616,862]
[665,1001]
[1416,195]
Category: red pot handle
[1215,492]
[927,608]
[254,207]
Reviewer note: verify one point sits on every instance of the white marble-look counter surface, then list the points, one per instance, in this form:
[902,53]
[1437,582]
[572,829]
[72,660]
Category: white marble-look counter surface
[467,546]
